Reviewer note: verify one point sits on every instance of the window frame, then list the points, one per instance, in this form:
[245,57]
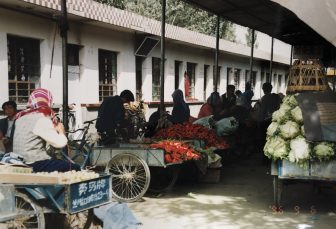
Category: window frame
[107,78]
[191,72]
[24,67]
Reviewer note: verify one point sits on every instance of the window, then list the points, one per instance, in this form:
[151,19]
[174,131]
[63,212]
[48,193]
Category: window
[250,79]
[24,68]
[107,73]
[274,81]
[73,54]
[279,83]
[190,78]
[229,76]
[268,78]
[236,78]
[262,77]
[156,78]
[286,79]
[205,83]
[177,73]
[138,77]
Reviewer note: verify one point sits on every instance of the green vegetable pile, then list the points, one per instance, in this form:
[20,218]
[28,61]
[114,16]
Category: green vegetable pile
[285,137]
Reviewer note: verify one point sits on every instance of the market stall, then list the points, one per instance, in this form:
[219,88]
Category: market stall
[26,197]
[301,140]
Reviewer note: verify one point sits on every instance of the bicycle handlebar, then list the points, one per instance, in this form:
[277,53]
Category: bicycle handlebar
[90,121]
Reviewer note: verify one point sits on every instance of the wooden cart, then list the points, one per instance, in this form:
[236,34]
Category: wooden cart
[26,202]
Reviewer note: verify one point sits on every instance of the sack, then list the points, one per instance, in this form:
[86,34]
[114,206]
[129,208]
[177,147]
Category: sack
[226,126]
[12,158]
[205,121]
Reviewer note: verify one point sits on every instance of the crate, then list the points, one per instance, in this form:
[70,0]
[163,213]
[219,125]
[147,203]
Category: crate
[212,175]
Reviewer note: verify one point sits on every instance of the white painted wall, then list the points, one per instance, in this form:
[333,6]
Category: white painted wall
[83,82]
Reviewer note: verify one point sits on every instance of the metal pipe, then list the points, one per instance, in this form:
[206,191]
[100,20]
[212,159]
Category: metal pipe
[64,34]
[291,56]
[271,62]
[251,57]
[163,49]
[216,55]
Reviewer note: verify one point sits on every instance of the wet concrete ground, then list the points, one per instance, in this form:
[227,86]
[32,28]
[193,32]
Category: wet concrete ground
[242,199]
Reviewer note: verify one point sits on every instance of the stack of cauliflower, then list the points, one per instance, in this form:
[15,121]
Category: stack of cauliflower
[285,137]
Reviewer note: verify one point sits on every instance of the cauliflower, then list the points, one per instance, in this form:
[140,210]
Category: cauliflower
[272,129]
[281,115]
[302,130]
[297,114]
[299,150]
[324,150]
[290,100]
[276,148]
[289,130]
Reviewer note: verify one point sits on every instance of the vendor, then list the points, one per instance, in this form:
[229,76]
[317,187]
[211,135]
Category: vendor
[35,128]
[211,107]
[111,116]
[181,112]
[6,125]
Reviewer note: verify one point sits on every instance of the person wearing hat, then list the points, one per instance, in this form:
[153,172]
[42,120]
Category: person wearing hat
[37,127]
[7,125]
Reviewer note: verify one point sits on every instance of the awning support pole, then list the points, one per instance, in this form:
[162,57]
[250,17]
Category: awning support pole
[251,57]
[216,55]
[271,62]
[291,57]
[64,34]
[163,49]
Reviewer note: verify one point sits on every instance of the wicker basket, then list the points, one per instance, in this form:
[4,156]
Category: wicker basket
[307,75]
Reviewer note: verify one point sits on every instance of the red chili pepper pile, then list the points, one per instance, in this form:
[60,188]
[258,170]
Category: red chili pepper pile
[192,131]
[176,151]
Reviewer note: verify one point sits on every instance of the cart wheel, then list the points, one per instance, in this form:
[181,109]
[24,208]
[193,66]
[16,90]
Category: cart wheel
[130,177]
[277,191]
[163,179]
[32,214]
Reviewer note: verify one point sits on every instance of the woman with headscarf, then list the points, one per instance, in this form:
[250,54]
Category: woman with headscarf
[181,112]
[36,127]
[211,107]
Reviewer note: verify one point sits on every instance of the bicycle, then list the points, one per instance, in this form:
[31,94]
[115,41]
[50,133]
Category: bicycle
[129,173]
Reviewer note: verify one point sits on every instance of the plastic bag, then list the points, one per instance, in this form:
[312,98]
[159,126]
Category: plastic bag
[226,126]
[205,121]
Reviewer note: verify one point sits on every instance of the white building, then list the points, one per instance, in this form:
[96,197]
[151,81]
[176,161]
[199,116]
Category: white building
[102,61]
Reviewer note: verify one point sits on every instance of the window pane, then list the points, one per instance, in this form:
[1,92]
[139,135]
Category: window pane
[107,73]
[23,64]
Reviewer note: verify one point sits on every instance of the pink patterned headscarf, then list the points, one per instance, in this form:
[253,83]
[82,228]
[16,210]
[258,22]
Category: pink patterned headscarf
[40,101]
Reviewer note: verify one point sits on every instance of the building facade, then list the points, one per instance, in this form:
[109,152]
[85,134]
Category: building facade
[105,56]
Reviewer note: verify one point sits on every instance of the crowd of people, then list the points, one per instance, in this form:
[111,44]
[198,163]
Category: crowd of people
[37,126]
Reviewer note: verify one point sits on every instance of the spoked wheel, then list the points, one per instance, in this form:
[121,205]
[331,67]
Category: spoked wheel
[163,179]
[130,177]
[30,214]
[80,220]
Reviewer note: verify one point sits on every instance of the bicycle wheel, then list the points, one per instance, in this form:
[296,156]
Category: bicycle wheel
[130,177]
[30,215]
[163,179]
[78,154]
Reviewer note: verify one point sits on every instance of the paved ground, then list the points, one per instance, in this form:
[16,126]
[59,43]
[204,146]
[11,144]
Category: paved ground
[242,199]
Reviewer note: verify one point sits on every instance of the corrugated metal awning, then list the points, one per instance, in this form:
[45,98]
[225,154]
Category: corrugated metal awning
[279,20]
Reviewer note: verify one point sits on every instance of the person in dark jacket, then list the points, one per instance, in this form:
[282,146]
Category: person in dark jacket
[229,98]
[7,124]
[111,115]
[181,112]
